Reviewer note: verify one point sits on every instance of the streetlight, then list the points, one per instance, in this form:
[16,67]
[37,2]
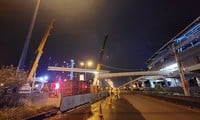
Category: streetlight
[89,63]
[82,64]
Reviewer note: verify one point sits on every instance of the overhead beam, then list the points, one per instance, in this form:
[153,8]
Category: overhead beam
[52,68]
[125,74]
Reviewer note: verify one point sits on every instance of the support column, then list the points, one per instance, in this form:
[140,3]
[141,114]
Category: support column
[181,72]
[198,81]
[152,84]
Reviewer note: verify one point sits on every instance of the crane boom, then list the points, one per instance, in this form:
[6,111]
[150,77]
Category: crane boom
[101,53]
[96,78]
[40,50]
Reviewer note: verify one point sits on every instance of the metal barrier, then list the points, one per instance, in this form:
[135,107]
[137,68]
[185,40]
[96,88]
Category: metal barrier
[194,91]
[14,100]
[70,102]
[182,100]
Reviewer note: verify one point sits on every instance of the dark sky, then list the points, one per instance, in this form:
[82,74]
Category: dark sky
[137,28]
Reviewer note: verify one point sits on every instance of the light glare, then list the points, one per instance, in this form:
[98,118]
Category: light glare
[170,68]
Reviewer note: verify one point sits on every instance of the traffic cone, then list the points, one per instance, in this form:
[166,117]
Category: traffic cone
[100,112]
[109,101]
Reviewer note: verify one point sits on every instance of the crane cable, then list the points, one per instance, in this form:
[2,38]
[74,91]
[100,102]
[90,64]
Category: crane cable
[120,69]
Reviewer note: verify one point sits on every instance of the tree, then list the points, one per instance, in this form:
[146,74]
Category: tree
[11,79]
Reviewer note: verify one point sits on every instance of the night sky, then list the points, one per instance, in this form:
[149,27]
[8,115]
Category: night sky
[137,28]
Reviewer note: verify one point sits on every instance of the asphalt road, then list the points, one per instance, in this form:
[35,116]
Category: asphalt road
[154,109]
[131,107]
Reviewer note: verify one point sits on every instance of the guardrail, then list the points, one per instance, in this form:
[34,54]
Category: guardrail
[194,91]
[70,102]
[14,100]
[191,101]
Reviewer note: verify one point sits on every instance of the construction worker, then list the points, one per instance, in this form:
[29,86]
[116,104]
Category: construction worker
[110,91]
[45,89]
[115,94]
[118,93]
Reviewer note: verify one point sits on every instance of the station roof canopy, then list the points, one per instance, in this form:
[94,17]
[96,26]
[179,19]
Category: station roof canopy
[189,30]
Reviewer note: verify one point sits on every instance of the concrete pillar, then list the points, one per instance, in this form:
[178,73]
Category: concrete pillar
[152,84]
[137,85]
[166,83]
[198,81]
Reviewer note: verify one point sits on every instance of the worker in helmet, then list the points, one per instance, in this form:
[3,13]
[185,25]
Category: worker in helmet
[118,93]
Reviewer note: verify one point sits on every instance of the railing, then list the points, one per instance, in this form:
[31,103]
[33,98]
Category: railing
[191,101]
[194,91]
[39,99]
[14,100]
[70,102]
[175,95]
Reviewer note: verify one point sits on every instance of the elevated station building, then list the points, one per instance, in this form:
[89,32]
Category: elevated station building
[187,46]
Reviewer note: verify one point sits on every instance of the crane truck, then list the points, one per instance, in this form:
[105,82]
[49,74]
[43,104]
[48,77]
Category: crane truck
[39,52]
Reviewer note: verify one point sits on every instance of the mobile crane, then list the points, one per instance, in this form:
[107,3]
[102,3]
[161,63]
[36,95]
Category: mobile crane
[39,54]
[96,81]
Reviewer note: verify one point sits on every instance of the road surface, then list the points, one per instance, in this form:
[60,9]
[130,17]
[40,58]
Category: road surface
[154,109]
[131,107]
